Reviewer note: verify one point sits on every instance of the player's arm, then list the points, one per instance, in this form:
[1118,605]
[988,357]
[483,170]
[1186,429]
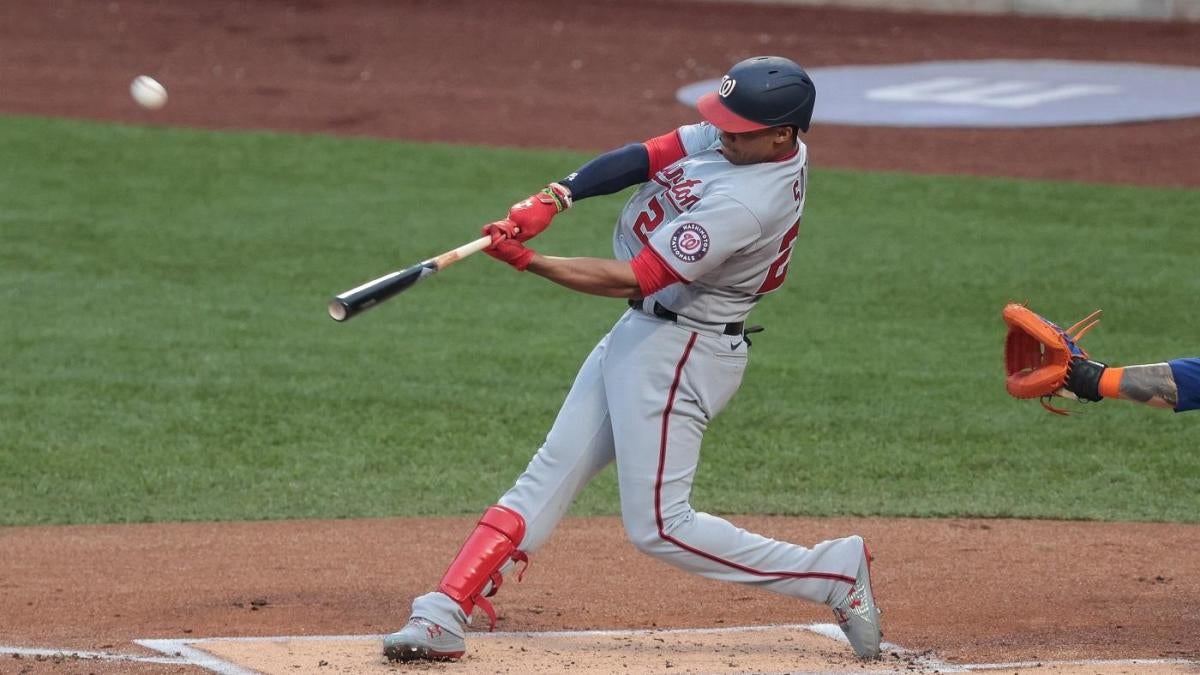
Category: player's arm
[1151,384]
[608,173]
[1174,384]
[594,276]
[604,174]
[618,169]
[688,245]
[637,278]
[611,172]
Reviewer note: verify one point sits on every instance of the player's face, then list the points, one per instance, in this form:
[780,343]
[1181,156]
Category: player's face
[752,147]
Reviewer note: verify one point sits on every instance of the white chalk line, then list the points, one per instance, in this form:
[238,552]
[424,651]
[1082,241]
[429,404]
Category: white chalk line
[1083,662]
[183,651]
[88,655]
[195,657]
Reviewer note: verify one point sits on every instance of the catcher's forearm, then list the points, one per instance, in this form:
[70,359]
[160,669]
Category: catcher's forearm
[1153,385]
[595,276]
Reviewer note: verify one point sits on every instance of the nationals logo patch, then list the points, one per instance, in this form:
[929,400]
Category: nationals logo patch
[689,243]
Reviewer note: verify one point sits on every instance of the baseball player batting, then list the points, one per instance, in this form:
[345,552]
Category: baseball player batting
[706,236]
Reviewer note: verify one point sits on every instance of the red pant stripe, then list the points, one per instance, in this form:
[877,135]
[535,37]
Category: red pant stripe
[662,462]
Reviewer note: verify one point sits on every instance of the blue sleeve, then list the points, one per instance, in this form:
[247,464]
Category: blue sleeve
[611,172]
[1187,383]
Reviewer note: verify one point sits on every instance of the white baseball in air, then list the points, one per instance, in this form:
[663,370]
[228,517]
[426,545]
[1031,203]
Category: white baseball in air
[148,92]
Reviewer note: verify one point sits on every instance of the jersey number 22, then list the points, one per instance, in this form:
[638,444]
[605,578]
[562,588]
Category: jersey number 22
[779,267]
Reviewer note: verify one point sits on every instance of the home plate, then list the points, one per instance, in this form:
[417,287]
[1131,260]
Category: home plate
[759,649]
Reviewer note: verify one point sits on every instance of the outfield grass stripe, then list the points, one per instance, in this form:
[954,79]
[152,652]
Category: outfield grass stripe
[168,356]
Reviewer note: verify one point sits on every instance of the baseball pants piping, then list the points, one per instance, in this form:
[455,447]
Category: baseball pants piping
[644,398]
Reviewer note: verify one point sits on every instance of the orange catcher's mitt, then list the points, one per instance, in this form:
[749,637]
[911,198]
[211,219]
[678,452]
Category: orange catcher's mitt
[1039,356]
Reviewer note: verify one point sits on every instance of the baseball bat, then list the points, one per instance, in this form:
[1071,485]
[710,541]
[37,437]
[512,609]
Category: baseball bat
[359,299]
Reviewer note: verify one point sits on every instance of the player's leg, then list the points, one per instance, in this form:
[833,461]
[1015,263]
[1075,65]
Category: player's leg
[578,446]
[661,397]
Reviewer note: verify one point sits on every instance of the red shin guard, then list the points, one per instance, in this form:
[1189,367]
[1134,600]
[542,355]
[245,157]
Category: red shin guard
[489,547]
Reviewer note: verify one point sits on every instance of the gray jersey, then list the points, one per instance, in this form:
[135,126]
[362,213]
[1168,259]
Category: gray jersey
[725,229]
[647,393]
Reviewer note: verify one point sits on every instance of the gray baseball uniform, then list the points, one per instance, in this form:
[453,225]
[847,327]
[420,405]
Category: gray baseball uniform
[647,392]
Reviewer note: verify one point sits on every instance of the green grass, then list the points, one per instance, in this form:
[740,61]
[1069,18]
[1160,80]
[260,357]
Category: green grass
[166,353]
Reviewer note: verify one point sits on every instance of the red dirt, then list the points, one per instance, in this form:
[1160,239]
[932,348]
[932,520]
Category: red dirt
[977,590]
[587,76]
[576,75]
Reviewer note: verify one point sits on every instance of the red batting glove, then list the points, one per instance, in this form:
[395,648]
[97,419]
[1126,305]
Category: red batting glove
[500,230]
[533,214]
[512,252]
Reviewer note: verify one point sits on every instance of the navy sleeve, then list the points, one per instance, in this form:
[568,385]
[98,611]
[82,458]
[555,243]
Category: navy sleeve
[1187,383]
[611,172]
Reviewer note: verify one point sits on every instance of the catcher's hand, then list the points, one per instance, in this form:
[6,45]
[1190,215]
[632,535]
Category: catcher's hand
[1039,357]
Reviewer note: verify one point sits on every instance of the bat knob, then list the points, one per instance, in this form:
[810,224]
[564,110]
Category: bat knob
[338,310]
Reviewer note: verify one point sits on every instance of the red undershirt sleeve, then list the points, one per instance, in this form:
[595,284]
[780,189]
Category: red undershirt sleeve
[664,151]
[652,273]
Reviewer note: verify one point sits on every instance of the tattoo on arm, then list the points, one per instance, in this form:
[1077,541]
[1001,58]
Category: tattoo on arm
[1153,384]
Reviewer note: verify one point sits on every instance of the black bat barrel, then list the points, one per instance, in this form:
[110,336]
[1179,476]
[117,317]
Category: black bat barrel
[358,300]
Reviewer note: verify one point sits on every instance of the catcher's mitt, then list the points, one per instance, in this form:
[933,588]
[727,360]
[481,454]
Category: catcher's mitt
[1038,355]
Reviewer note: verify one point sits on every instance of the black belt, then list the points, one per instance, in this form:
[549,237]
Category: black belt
[664,313]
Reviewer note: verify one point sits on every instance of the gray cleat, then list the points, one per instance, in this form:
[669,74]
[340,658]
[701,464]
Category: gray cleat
[422,639]
[858,615]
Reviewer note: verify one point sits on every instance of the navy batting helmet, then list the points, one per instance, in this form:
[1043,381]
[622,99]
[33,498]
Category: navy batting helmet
[765,91]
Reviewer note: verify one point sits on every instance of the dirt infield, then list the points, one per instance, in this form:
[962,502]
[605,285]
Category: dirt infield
[597,75]
[970,591]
